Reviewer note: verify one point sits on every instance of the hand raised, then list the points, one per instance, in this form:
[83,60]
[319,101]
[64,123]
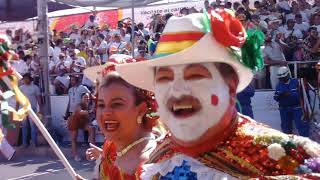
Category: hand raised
[93,152]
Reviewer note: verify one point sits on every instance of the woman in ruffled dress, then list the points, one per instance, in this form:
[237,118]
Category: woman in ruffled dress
[126,116]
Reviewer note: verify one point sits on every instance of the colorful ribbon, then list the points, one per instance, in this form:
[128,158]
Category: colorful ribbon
[20,98]
[9,85]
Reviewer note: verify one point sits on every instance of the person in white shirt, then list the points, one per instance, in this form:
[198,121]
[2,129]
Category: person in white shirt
[284,5]
[305,7]
[295,10]
[288,29]
[117,45]
[316,22]
[32,92]
[316,6]
[20,65]
[62,81]
[273,56]
[143,29]
[75,36]
[57,50]
[35,66]
[302,26]
[91,23]
[102,47]
[78,63]
[74,93]
[274,24]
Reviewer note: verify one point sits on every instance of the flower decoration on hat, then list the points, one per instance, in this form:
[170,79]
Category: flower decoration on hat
[229,32]
[227,29]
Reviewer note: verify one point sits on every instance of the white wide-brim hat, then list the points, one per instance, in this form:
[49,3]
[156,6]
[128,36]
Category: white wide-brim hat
[96,73]
[206,49]
[141,74]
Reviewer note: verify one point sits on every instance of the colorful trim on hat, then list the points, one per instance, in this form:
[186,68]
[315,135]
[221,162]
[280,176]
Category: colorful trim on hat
[171,43]
[227,30]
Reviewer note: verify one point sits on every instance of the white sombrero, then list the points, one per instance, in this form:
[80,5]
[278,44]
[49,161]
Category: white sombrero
[185,41]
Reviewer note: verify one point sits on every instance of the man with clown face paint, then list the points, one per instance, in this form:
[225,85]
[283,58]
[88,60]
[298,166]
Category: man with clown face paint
[188,97]
[201,62]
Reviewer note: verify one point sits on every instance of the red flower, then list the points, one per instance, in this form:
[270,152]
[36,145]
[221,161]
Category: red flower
[7,72]
[227,29]
[108,69]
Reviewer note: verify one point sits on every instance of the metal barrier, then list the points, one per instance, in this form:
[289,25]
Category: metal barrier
[295,65]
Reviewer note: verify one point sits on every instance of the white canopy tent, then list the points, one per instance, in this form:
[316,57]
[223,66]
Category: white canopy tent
[116,3]
[91,7]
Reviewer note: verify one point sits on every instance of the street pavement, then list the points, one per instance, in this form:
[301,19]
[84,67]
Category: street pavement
[41,163]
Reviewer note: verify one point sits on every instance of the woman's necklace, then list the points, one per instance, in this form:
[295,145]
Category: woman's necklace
[130,146]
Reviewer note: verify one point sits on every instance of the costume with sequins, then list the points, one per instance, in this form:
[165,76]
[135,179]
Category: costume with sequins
[252,150]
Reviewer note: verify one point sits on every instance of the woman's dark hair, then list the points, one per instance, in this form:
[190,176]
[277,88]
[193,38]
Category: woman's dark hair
[26,57]
[129,30]
[115,78]
[168,16]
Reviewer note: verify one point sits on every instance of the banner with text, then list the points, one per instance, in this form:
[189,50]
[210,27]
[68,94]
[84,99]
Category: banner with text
[109,17]
[144,14]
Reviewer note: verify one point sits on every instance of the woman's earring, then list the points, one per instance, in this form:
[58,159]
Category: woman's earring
[139,119]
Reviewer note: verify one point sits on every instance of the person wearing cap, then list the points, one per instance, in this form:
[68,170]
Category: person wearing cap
[273,55]
[288,95]
[274,23]
[141,52]
[32,92]
[74,34]
[195,77]
[78,63]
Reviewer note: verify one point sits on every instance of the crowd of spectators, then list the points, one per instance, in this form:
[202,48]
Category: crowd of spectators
[291,28]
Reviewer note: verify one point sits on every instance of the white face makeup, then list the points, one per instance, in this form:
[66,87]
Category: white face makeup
[191,98]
